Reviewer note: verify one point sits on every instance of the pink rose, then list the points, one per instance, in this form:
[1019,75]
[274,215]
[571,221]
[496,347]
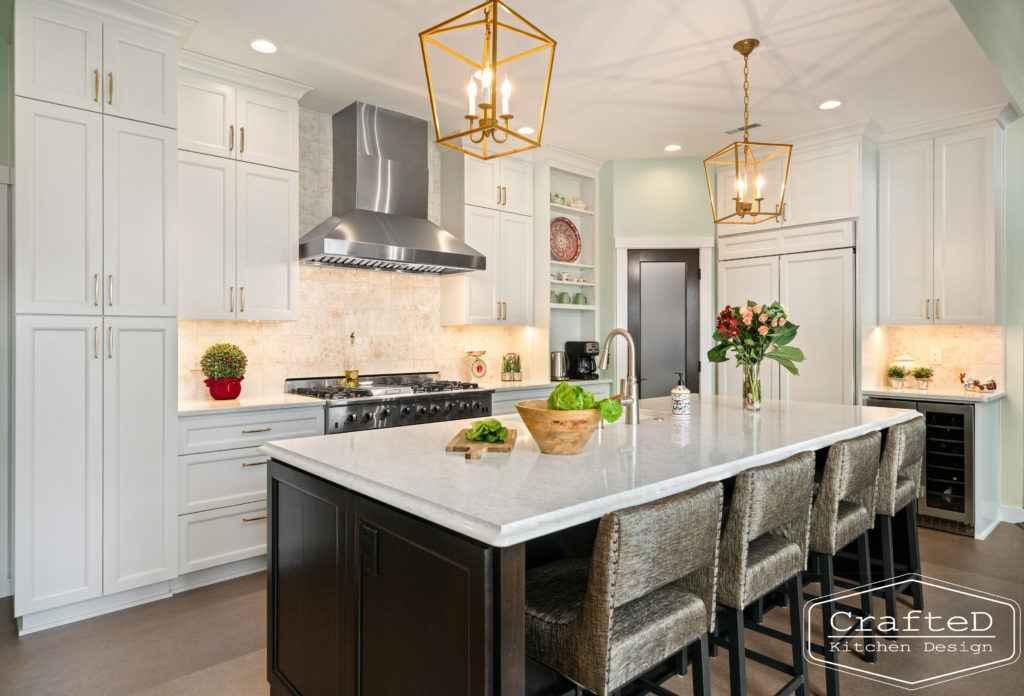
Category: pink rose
[757,309]
[763,330]
[782,322]
[763,318]
[747,321]
[775,322]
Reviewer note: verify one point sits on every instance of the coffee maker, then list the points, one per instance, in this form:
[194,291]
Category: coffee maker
[582,357]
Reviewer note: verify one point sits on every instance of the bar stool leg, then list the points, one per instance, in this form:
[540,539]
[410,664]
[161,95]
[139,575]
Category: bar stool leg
[916,590]
[737,652]
[701,671]
[864,563]
[794,592]
[888,571]
[828,609]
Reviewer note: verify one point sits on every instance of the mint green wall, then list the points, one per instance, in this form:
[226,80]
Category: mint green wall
[998,27]
[6,103]
[666,197]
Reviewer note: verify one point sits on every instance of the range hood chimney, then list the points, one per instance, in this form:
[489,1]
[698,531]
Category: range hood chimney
[379,206]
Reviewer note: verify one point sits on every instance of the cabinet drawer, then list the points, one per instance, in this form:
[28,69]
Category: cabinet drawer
[215,537]
[219,479]
[224,432]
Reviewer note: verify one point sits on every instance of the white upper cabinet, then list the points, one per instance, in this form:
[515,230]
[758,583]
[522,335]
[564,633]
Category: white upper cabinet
[516,177]
[940,229]
[268,129]
[58,55]
[515,254]
[207,121]
[823,184]
[267,243]
[481,181]
[140,78]
[58,209]
[140,228]
[206,228]
[58,461]
[76,58]
[503,183]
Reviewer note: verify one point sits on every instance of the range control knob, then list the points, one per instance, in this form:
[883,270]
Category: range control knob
[350,418]
[406,410]
[476,405]
[367,417]
[463,407]
[448,407]
[422,410]
[434,410]
[385,413]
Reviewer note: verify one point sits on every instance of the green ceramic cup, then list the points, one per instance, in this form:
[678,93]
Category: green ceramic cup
[554,297]
[580,298]
[564,298]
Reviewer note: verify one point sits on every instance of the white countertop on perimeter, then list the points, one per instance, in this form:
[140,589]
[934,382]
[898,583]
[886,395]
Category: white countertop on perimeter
[534,384]
[256,402]
[957,394]
[505,499]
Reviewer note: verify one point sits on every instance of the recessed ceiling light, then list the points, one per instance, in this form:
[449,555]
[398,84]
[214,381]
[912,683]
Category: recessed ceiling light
[525,130]
[830,104]
[263,46]
[673,148]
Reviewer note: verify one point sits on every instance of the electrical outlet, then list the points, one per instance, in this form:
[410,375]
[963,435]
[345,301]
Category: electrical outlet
[935,356]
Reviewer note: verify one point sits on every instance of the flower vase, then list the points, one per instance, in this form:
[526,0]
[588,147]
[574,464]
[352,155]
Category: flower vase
[225,389]
[752,387]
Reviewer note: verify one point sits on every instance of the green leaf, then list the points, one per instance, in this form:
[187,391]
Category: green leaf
[610,409]
[789,352]
[785,362]
[490,430]
[719,353]
[784,334]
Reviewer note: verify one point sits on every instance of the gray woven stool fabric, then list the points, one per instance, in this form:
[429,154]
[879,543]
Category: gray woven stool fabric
[899,477]
[844,507]
[764,541]
[646,593]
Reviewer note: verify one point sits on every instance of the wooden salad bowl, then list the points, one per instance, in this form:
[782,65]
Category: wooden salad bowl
[558,432]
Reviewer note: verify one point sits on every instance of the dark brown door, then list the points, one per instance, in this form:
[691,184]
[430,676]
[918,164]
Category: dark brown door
[662,303]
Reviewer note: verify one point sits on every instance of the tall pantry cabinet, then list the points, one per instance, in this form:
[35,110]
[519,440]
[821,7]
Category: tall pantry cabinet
[95,295]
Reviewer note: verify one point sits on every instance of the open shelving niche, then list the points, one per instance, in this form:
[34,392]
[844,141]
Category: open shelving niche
[572,177]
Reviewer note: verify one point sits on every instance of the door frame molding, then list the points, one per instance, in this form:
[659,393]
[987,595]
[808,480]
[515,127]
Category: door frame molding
[705,246]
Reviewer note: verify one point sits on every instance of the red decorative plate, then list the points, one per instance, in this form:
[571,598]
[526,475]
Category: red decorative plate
[565,240]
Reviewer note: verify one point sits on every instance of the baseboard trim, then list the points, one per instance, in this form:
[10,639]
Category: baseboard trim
[59,616]
[1011,513]
[981,533]
[209,576]
[6,587]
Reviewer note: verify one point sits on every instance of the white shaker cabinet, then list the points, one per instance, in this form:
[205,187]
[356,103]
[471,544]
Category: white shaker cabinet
[140,229]
[481,180]
[58,209]
[516,179]
[503,183]
[515,270]
[140,75]
[940,229]
[58,457]
[206,123]
[268,129]
[140,412]
[823,184]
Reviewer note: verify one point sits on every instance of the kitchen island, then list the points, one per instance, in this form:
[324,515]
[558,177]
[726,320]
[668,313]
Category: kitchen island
[398,568]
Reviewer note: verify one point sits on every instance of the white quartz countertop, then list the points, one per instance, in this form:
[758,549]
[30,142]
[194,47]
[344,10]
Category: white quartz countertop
[505,499]
[957,394]
[535,384]
[256,402]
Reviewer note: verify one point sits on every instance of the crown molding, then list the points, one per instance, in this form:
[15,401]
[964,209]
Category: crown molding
[133,13]
[560,158]
[1000,114]
[222,70]
[858,129]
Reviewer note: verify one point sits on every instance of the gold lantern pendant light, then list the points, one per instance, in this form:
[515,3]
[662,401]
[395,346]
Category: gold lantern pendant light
[749,163]
[490,121]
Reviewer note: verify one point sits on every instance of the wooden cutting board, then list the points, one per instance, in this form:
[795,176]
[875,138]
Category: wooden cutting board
[475,450]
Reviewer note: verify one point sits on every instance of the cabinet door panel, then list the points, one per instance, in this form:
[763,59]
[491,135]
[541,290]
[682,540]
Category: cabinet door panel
[140,77]
[206,116]
[58,462]
[482,182]
[823,184]
[515,254]
[739,281]
[58,209]
[965,240]
[206,237]
[481,232]
[58,55]
[516,177]
[905,233]
[268,129]
[140,211]
[818,290]
[140,397]
[268,243]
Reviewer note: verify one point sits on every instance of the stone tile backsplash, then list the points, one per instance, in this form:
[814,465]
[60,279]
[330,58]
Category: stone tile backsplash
[976,350]
[396,318]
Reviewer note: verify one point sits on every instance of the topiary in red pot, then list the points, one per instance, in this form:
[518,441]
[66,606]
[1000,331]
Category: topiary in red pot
[224,367]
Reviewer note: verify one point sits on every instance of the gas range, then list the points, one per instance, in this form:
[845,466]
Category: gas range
[387,401]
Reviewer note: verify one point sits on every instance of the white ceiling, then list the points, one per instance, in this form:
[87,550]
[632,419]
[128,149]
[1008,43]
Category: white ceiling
[631,77]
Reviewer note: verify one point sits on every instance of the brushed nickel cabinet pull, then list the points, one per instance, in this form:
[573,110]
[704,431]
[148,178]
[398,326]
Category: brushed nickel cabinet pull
[241,144]
[231,137]
[110,290]
[241,292]
[96,342]
[254,463]
[257,430]
[927,309]
[95,289]
[231,296]
[110,88]
[254,519]
[937,308]
[96,85]
[110,341]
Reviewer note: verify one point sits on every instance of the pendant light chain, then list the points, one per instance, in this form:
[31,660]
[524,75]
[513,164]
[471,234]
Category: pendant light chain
[746,96]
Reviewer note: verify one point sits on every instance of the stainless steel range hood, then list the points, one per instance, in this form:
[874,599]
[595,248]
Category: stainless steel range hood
[379,220]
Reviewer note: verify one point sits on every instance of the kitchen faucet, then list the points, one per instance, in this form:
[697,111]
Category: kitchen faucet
[630,386]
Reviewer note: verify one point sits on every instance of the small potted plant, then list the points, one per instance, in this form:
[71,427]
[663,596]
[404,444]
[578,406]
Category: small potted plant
[511,368]
[224,367]
[923,375]
[896,373]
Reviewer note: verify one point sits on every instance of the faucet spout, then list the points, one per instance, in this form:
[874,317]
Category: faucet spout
[630,386]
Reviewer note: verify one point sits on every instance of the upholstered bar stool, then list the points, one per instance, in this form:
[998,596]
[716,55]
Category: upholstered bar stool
[899,481]
[646,594]
[764,546]
[843,512]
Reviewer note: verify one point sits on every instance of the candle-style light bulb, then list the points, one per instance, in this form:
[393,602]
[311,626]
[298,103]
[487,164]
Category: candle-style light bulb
[506,93]
[741,188]
[471,92]
[759,183]
[485,79]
